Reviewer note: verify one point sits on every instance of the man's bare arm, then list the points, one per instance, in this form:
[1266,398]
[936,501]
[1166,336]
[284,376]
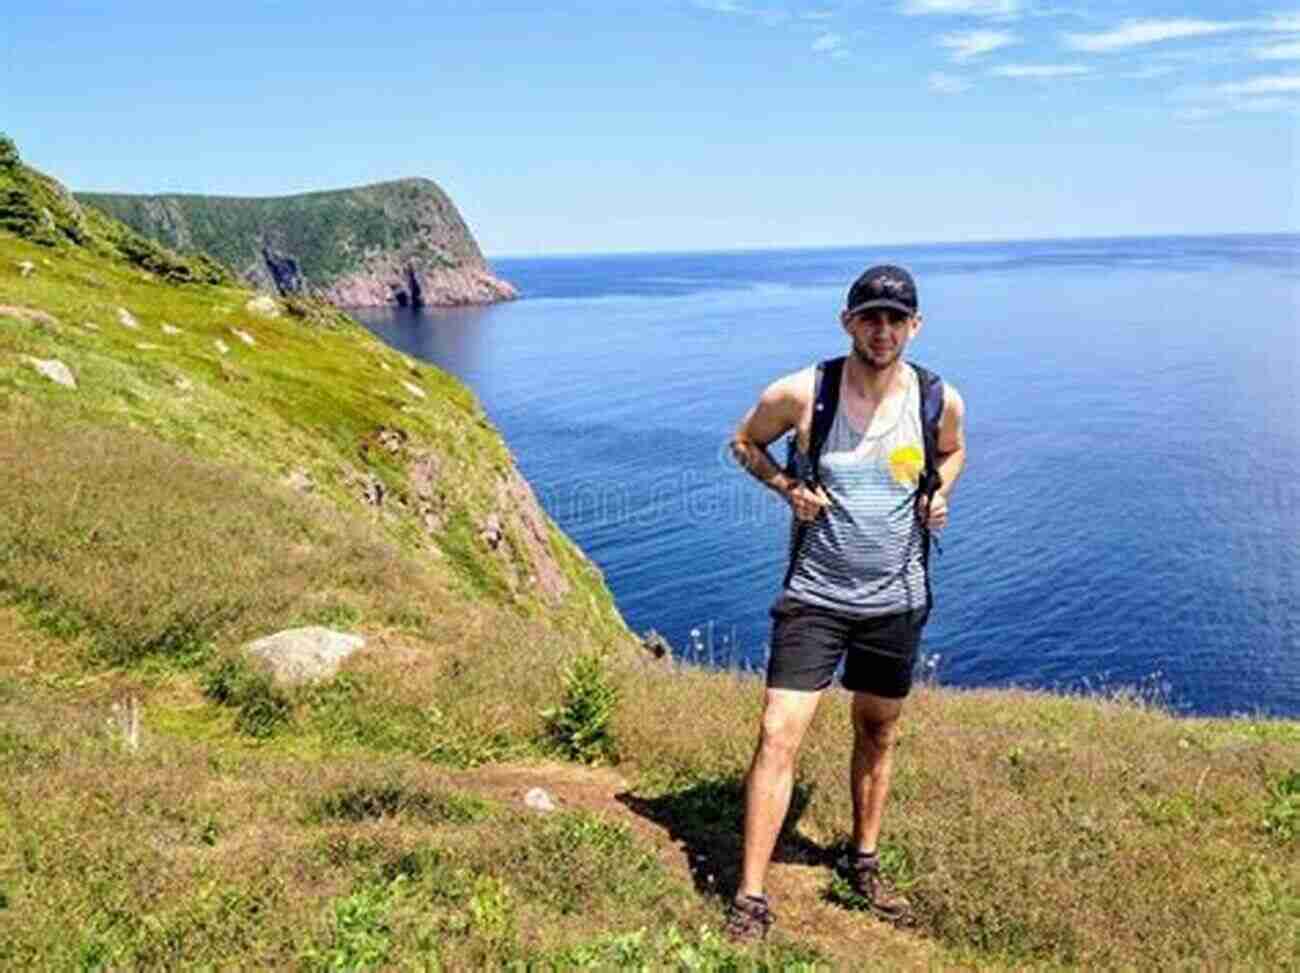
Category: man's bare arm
[951,445]
[777,412]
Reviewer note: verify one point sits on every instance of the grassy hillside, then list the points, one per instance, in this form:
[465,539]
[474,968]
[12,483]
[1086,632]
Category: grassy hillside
[188,495]
[37,208]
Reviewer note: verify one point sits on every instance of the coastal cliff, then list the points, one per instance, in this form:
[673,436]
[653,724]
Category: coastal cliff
[102,326]
[399,243]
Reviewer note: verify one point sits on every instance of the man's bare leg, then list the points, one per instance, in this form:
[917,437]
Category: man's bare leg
[875,725]
[786,715]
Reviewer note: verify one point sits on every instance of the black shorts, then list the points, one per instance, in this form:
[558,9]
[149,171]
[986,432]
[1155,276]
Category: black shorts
[808,643]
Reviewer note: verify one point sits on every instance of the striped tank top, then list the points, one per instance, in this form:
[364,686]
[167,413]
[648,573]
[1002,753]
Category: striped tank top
[863,555]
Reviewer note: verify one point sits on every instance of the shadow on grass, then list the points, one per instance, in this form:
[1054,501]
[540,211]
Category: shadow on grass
[707,818]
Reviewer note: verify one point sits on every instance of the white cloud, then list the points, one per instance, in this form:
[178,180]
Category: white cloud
[832,45]
[1265,94]
[1272,85]
[828,42]
[1253,106]
[723,6]
[1288,23]
[1149,72]
[976,8]
[1040,71]
[771,15]
[1135,33]
[947,84]
[1278,52]
[973,43]
[1198,114]
[1264,104]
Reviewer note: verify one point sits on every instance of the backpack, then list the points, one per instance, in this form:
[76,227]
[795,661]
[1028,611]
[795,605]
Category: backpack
[828,397]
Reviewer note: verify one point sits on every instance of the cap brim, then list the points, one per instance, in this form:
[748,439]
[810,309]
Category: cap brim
[881,302]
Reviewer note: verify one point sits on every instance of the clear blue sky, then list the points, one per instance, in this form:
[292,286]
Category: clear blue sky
[686,124]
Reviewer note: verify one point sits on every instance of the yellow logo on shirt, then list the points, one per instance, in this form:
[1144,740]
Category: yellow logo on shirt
[906,463]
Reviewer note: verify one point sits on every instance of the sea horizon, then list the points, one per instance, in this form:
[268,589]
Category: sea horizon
[561,254]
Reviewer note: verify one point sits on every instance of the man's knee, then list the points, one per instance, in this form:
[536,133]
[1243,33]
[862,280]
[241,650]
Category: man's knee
[779,740]
[782,730]
[875,721]
[874,735]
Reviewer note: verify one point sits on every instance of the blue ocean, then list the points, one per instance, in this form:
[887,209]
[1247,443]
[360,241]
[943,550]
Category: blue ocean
[1128,515]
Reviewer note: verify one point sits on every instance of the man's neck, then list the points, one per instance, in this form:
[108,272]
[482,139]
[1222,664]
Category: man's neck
[873,384]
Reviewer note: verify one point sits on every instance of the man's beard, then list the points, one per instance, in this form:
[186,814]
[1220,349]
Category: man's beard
[876,364]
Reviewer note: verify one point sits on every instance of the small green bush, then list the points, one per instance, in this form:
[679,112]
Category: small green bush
[372,802]
[262,708]
[1282,817]
[362,934]
[580,726]
[21,752]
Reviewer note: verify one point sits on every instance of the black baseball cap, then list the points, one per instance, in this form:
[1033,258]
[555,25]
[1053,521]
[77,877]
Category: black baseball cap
[883,286]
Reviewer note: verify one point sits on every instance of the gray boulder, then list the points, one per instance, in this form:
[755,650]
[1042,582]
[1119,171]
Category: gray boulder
[303,655]
[539,800]
[264,306]
[54,370]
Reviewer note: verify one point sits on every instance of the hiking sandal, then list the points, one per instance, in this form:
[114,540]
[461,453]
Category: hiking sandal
[748,919]
[862,873]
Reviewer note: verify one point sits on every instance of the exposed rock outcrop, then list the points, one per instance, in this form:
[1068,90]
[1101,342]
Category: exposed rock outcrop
[409,286]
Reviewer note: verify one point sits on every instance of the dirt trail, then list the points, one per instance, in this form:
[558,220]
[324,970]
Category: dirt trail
[852,939]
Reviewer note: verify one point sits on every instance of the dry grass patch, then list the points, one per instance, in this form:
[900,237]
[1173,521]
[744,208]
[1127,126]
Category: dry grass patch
[166,856]
[1029,828]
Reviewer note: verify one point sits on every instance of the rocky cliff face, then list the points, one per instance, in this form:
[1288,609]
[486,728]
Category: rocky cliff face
[405,280]
[398,243]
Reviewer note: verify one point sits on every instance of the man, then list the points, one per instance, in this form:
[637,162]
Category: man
[857,587]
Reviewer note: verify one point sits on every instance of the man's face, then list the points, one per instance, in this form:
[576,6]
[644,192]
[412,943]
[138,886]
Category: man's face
[880,334]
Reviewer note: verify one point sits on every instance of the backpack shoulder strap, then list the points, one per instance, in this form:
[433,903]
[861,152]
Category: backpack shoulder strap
[931,386]
[828,399]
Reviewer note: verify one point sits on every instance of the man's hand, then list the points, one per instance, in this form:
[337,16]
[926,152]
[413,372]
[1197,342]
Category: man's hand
[934,516]
[807,504]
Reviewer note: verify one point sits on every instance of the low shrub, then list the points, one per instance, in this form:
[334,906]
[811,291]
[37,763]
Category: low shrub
[370,802]
[580,726]
[1282,816]
[262,708]
[361,935]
